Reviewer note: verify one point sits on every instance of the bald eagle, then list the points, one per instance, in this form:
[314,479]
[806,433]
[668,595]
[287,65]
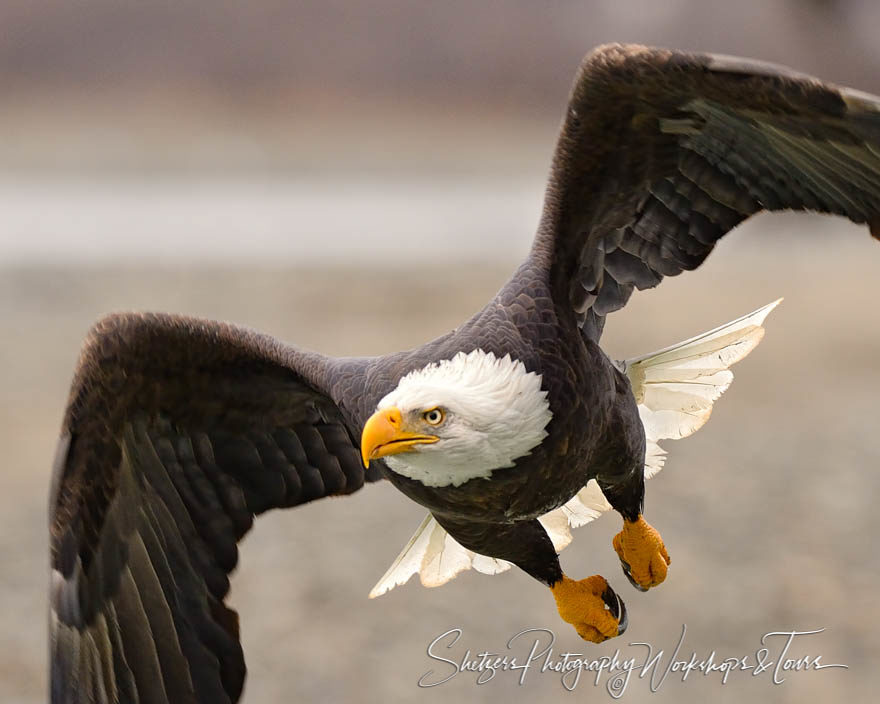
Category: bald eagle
[509,429]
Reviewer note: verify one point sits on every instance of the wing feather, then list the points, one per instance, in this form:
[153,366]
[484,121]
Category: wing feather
[662,153]
[178,432]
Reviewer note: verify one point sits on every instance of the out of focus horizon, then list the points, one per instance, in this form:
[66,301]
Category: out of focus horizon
[179,132]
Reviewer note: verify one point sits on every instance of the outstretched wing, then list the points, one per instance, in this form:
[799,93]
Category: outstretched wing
[661,153]
[178,432]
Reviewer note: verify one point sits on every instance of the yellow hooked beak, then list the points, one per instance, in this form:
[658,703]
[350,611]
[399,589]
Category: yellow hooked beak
[384,434]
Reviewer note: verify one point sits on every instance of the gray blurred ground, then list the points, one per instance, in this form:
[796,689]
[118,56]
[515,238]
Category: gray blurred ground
[768,512]
[358,178]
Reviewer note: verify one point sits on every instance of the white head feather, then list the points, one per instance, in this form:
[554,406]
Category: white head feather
[495,412]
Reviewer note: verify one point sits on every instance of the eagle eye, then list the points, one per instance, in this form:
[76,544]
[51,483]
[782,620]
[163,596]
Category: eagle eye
[434,416]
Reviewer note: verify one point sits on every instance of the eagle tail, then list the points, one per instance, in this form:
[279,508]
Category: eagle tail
[675,389]
[437,557]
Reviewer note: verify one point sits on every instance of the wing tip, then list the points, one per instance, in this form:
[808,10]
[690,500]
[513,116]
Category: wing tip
[860,101]
[728,63]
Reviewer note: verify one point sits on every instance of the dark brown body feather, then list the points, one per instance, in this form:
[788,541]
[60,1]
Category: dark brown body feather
[178,431]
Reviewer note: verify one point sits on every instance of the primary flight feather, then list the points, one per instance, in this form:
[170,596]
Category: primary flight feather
[509,429]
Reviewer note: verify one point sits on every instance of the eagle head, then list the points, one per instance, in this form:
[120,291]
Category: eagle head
[458,419]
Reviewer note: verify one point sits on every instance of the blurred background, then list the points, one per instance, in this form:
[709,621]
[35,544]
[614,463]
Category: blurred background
[360,177]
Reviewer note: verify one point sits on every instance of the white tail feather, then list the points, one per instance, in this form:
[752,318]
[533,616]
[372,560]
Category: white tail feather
[437,557]
[675,389]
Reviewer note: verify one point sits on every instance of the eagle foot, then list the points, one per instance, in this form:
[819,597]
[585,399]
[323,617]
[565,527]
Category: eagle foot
[591,606]
[642,554]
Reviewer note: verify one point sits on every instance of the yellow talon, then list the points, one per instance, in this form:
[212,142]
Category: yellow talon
[642,554]
[591,606]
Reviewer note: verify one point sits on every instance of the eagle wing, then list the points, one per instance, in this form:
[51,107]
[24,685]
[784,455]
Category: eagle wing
[178,432]
[661,153]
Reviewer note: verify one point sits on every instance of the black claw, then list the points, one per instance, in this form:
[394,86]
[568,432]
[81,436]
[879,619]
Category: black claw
[626,570]
[617,607]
